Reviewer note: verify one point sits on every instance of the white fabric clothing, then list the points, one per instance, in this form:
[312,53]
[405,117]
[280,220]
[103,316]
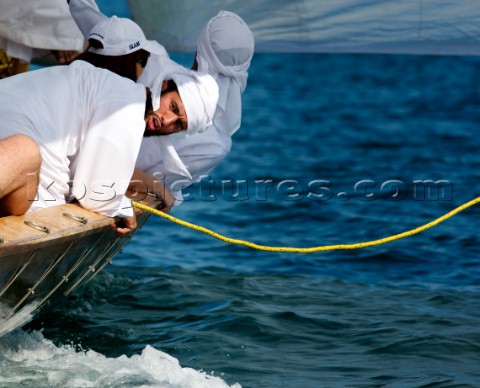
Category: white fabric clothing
[160,68]
[119,36]
[198,90]
[89,124]
[86,15]
[224,50]
[201,153]
[32,28]
[164,144]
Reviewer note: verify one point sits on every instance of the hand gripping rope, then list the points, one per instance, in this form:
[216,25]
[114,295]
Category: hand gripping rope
[311,249]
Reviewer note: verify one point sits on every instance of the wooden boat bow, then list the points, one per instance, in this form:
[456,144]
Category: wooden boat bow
[46,254]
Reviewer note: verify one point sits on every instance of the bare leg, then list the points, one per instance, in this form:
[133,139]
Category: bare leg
[20,161]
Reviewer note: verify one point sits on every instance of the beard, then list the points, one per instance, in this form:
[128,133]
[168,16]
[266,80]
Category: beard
[149,133]
[148,112]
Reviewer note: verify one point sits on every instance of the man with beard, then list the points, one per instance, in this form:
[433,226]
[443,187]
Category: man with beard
[225,49]
[74,132]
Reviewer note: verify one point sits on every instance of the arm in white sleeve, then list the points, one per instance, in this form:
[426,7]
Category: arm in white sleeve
[199,165]
[107,159]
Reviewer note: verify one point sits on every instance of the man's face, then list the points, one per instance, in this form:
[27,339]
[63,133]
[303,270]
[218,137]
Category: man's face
[169,118]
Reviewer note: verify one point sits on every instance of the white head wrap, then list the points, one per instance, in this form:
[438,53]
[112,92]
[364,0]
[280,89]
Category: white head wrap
[198,91]
[86,14]
[224,50]
[199,94]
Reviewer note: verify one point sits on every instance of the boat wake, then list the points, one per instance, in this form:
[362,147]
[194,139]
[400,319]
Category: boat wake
[28,357]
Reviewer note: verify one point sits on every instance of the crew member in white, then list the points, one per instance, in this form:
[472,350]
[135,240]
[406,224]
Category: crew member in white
[225,49]
[87,124]
[34,28]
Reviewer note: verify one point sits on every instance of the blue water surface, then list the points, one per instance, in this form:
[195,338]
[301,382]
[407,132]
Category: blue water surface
[333,149]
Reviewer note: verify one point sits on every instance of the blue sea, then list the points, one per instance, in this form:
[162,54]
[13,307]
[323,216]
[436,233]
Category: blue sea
[333,149]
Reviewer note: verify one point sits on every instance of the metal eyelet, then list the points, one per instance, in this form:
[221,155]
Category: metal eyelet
[83,220]
[37,226]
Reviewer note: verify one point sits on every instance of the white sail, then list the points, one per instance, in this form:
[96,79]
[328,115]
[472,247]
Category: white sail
[447,27]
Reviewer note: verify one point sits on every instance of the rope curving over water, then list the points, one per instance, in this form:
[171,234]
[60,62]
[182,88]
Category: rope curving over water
[324,248]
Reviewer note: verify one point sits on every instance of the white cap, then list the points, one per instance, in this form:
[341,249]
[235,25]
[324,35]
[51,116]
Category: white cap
[120,36]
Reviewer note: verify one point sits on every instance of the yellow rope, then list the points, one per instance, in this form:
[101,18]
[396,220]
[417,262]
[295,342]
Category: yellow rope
[312,249]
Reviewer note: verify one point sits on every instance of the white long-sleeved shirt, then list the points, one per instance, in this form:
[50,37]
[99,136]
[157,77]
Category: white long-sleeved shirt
[89,124]
[200,153]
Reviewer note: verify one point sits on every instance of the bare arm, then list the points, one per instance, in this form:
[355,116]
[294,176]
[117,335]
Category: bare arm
[143,184]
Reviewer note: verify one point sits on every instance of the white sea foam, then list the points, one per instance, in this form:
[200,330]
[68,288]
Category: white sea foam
[29,358]
[18,319]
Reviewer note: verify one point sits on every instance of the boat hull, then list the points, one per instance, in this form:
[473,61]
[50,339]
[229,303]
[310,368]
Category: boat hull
[45,255]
